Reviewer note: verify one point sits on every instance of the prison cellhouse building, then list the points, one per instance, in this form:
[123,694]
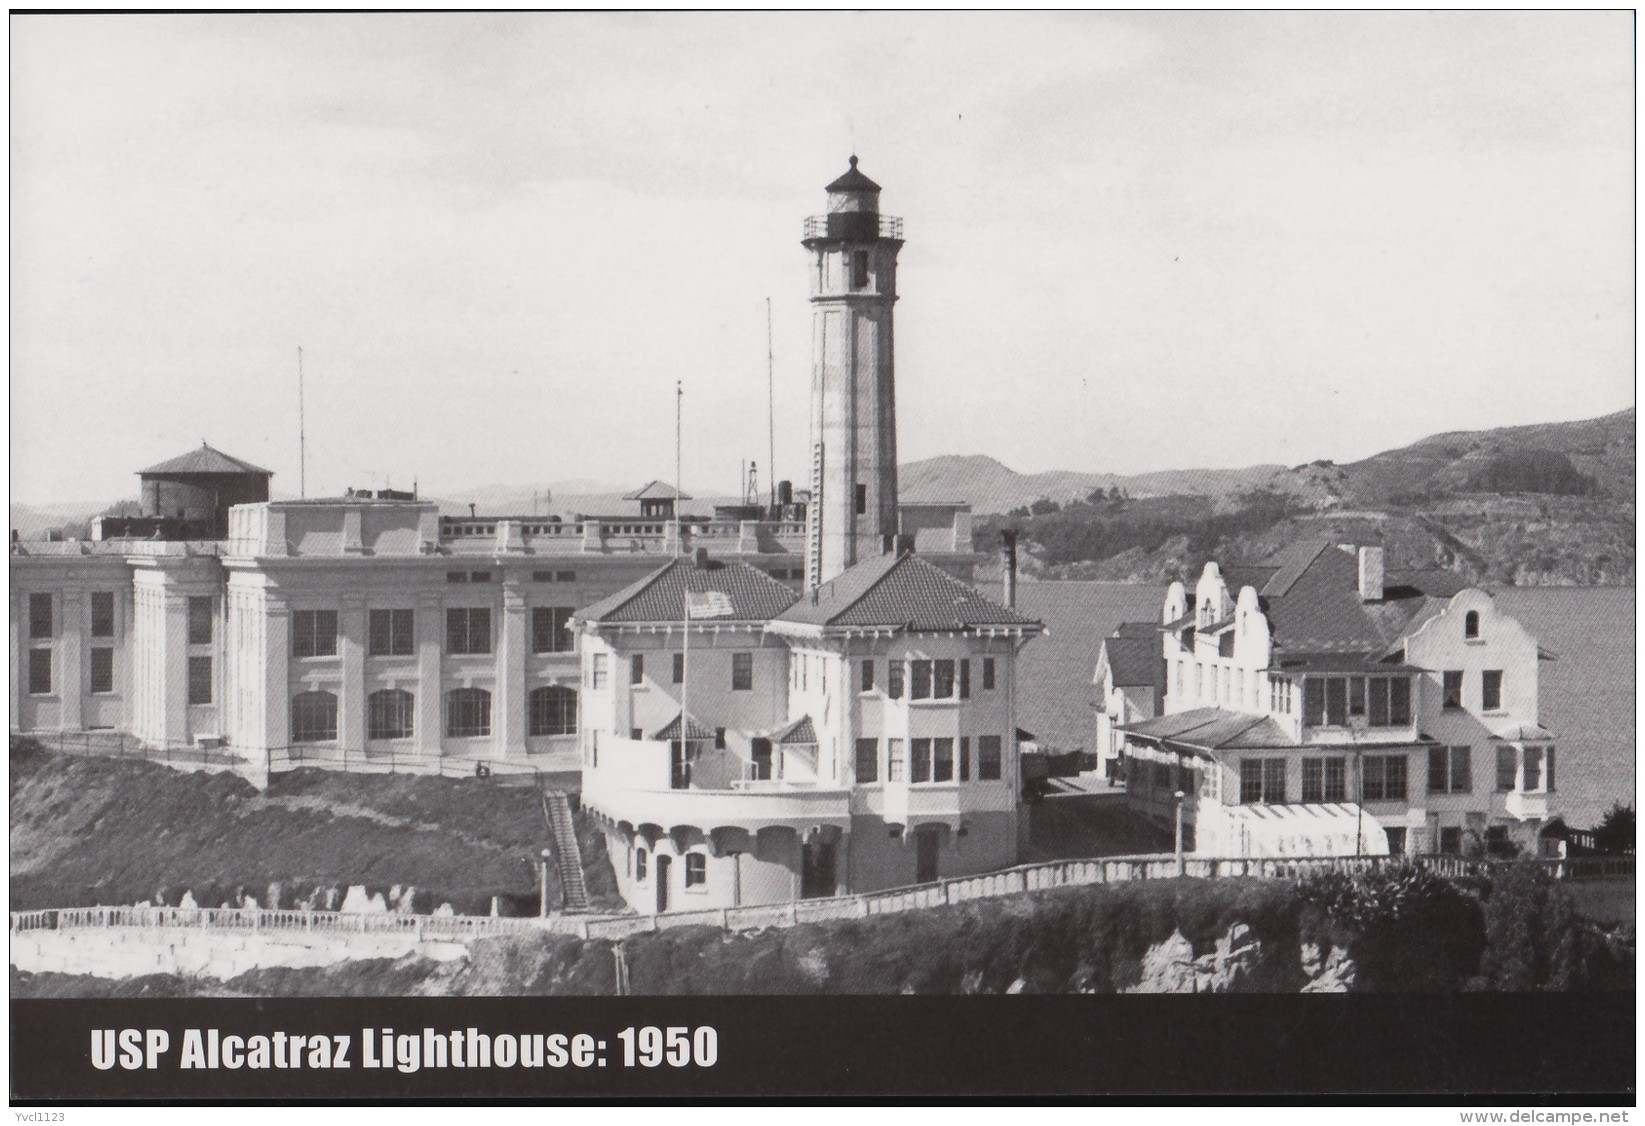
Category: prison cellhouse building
[837,714]
[1320,704]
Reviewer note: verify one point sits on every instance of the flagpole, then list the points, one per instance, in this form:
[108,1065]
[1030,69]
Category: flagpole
[685,597]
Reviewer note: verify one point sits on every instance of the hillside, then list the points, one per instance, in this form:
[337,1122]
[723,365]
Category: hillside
[1548,505]
[992,487]
[88,831]
[1325,934]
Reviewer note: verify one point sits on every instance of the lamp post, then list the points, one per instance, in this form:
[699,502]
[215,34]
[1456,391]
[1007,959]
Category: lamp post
[542,900]
[1181,865]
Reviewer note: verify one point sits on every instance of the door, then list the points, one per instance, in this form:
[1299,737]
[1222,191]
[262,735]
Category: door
[664,863]
[762,759]
[925,857]
[817,871]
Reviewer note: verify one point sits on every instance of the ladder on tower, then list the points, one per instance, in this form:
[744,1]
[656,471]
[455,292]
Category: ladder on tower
[813,522]
[568,856]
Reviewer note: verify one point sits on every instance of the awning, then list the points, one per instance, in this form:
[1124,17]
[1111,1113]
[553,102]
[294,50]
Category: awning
[693,731]
[1524,733]
[799,731]
[1315,829]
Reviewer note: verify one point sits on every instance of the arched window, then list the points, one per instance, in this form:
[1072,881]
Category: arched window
[553,710]
[468,712]
[389,714]
[1470,624]
[313,717]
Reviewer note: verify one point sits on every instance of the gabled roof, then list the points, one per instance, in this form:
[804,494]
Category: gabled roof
[800,731]
[204,460]
[903,592]
[1292,563]
[1134,660]
[660,597]
[853,181]
[656,490]
[671,730]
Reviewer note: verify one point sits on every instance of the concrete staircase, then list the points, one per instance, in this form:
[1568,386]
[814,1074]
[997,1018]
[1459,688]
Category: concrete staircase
[568,856]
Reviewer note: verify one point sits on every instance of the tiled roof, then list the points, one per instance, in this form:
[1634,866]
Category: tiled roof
[204,460]
[693,730]
[656,490]
[798,732]
[853,181]
[660,597]
[1292,563]
[1135,661]
[901,591]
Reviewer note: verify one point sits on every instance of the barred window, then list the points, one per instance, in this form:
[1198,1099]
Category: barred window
[313,717]
[102,613]
[390,714]
[314,633]
[199,621]
[40,617]
[468,630]
[102,670]
[468,713]
[393,633]
[550,629]
[553,710]
[199,680]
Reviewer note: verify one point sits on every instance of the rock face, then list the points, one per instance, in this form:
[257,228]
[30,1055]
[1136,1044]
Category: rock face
[1234,965]
[1328,971]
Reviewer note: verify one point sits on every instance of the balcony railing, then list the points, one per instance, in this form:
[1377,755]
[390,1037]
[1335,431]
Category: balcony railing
[864,226]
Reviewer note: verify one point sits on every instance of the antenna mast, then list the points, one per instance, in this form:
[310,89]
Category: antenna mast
[771,407]
[302,436]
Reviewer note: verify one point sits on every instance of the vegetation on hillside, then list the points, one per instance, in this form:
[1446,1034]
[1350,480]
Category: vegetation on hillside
[87,831]
[1403,931]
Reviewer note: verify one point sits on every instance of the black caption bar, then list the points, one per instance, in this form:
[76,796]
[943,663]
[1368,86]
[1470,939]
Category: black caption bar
[1509,1048]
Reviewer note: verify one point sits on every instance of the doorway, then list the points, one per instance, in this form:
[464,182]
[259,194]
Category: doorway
[817,879]
[925,857]
[664,863]
[761,752]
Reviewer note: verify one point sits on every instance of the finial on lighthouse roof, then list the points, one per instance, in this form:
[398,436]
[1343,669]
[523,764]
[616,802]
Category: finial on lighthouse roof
[853,181]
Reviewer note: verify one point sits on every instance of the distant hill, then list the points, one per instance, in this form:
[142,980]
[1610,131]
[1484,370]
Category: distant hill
[1540,505]
[990,486]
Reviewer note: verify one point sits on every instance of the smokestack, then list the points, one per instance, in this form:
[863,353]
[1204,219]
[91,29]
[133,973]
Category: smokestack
[1370,574]
[1008,541]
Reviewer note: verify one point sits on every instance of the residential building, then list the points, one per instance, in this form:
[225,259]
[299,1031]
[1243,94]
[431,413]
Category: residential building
[1321,705]
[1130,680]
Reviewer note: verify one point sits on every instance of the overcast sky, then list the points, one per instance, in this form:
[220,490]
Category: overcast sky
[1135,242]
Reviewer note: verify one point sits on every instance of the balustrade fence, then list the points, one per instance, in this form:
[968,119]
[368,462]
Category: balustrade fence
[1010,881]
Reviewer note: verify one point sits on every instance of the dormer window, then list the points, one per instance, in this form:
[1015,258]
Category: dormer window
[1470,625]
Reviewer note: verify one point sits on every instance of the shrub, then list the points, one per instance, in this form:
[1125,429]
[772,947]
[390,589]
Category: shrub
[1406,929]
[1614,834]
[1535,940]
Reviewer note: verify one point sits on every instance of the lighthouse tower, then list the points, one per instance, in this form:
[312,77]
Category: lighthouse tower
[853,396]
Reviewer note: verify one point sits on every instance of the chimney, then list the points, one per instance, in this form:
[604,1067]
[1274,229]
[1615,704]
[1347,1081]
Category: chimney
[896,544]
[1008,541]
[701,558]
[1370,574]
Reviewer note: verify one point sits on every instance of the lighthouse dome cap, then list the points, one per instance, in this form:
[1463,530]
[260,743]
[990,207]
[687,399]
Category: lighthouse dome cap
[853,181]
